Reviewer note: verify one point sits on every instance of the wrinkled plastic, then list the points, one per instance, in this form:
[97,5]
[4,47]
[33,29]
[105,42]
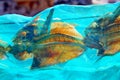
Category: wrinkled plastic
[83,67]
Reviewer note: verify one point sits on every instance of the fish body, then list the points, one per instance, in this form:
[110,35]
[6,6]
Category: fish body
[57,48]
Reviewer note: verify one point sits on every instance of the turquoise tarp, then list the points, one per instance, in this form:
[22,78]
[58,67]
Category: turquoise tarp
[80,68]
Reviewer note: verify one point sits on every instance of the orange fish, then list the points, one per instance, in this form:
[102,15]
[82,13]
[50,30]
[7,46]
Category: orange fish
[50,43]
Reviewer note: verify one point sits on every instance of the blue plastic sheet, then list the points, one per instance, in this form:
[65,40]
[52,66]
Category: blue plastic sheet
[80,68]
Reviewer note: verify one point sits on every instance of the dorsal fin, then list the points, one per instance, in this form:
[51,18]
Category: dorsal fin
[46,26]
[116,13]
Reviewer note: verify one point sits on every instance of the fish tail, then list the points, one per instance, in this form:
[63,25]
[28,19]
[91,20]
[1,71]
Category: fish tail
[101,52]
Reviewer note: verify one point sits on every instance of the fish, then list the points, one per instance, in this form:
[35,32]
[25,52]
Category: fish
[49,44]
[103,33]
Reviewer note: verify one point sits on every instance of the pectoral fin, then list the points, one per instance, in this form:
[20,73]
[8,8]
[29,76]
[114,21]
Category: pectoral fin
[35,63]
[101,54]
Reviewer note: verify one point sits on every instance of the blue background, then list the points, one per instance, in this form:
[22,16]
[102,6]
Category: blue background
[80,68]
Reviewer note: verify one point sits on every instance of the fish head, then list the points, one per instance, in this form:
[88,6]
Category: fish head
[22,51]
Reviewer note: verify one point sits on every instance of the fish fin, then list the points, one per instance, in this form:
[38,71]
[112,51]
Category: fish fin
[116,13]
[101,54]
[46,26]
[35,63]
